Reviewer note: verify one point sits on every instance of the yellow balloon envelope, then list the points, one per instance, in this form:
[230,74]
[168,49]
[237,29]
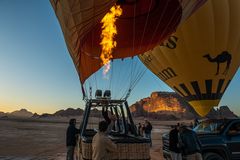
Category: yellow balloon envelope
[200,59]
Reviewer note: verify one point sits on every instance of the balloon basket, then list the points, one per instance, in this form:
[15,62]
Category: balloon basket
[129,144]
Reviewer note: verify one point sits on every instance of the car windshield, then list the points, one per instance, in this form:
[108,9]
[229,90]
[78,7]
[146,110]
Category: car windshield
[210,126]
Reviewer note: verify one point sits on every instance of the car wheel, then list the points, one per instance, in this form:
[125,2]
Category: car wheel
[212,156]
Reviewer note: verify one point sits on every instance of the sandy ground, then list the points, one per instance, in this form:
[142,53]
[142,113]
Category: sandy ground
[36,140]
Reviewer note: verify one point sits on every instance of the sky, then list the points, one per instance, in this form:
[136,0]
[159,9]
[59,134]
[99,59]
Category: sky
[36,70]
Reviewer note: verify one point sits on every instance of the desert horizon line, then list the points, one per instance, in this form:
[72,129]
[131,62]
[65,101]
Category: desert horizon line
[38,113]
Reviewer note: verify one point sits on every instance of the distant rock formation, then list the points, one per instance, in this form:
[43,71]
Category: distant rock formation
[222,112]
[2,114]
[21,113]
[45,115]
[170,106]
[35,115]
[159,106]
[226,112]
[69,112]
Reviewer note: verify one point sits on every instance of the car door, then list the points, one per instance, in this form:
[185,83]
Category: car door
[233,139]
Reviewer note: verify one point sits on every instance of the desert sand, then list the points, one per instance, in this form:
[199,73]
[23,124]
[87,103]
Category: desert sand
[45,140]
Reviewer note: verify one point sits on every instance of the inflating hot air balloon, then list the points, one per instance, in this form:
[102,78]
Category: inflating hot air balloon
[201,58]
[138,25]
[142,25]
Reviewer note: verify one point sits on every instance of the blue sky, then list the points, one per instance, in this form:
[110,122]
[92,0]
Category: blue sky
[36,71]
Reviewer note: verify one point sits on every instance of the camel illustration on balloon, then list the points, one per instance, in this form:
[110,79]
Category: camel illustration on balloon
[223,57]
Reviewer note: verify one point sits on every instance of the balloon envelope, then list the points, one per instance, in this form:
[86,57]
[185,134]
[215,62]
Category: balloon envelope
[201,58]
[142,25]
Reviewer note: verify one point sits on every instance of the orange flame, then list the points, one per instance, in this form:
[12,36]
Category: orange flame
[109,30]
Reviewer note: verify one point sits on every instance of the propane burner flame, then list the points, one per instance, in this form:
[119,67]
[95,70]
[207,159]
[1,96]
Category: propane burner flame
[109,30]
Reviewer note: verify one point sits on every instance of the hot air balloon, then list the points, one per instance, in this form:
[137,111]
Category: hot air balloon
[201,58]
[142,25]
[138,26]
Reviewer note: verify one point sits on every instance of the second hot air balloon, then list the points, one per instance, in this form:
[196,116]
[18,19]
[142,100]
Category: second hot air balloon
[201,58]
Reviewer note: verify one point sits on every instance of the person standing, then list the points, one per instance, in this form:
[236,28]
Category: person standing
[148,131]
[174,144]
[102,144]
[105,114]
[71,138]
[140,129]
[190,144]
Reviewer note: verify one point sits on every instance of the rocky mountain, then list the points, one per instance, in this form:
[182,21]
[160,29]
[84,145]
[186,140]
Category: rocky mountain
[61,113]
[170,106]
[69,112]
[35,115]
[159,106]
[2,114]
[225,111]
[44,115]
[21,113]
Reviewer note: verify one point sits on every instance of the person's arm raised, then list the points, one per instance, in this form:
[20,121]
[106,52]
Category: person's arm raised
[110,126]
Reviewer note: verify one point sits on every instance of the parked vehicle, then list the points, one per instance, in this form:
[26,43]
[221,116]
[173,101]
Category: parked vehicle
[220,139]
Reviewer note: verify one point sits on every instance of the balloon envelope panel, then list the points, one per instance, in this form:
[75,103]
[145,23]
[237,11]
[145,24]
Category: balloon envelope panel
[201,58]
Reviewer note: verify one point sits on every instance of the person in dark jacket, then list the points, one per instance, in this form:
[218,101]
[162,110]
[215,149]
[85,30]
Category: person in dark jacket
[108,116]
[140,129]
[71,138]
[190,144]
[174,144]
[148,131]
[105,115]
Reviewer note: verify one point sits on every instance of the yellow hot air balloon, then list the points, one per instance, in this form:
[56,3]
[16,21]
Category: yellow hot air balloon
[201,58]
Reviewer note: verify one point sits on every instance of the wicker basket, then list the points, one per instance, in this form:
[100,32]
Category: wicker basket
[86,150]
[136,151]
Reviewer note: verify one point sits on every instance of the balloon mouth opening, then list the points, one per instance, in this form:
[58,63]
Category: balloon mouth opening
[203,107]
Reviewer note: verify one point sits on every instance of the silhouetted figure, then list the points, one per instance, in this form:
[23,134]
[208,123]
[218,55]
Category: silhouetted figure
[148,131]
[221,58]
[105,115]
[109,118]
[101,144]
[140,129]
[120,123]
[174,144]
[130,129]
[190,144]
[71,138]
